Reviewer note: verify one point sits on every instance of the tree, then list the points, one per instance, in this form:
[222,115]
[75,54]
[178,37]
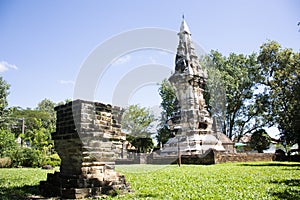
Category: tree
[47,106]
[7,142]
[143,144]
[237,77]
[163,135]
[280,68]
[4,92]
[39,137]
[260,140]
[136,122]
[168,96]
[39,124]
[31,118]
[64,102]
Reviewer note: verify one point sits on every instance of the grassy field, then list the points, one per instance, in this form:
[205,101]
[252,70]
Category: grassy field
[272,180]
[21,183]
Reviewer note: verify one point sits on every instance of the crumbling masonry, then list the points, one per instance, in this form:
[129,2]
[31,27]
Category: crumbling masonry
[88,139]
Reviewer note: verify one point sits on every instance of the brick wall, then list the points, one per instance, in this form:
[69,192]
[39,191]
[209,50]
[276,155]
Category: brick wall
[212,157]
[221,157]
[88,139]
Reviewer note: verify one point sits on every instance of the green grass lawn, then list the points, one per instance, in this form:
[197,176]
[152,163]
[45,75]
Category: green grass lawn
[273,180]
[21,183]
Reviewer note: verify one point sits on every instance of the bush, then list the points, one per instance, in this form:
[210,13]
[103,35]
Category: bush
[26,157]
[5,162]
[7,142]
[260,140]
[31,157]
[53,160]
[56,159]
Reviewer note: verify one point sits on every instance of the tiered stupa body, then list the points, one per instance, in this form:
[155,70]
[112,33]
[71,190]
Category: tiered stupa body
[191,120]
[189,81]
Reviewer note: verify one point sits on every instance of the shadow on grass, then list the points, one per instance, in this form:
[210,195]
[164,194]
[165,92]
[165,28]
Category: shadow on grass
[147,195]
[20,193]
[292,190]
[283,164]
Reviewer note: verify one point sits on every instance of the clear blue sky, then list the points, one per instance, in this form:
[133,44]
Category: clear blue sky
[44,43]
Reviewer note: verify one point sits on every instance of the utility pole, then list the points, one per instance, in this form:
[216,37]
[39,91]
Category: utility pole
[23,125]
[23,130]
[179,155]
[177,129]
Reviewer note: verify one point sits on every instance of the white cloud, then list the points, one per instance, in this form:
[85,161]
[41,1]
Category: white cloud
[4,66]
[153,60]
[122,60]
[66,82]
[164,53]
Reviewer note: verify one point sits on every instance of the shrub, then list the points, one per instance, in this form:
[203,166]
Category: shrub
[7,142]
[260,140]
[5,162]
[26,157]
[53,160]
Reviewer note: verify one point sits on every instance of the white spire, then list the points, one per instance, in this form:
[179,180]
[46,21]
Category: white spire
[184,27]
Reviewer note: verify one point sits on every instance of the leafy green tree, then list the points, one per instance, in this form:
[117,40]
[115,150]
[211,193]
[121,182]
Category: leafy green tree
[39,124]
[42,117]
[4,111]
[32,120]
[136,122]
[280,68]
[163,135]
[39,137]
[168,96]
[237,77]
[7,142]
[143,144]
[46,105]
[260,140]
[64,102]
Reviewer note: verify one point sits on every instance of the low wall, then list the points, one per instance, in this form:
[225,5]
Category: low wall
[137,159]
[220,157]
[293,158]
[209,157]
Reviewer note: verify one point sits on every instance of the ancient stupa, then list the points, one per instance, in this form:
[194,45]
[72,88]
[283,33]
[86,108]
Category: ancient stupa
[195,129]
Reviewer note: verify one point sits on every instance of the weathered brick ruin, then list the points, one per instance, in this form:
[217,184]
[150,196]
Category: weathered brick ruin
[88,139]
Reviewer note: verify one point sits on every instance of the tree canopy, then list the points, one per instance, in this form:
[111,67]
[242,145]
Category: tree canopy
[4,111]
[168,96]
[136,122]
[260,140]
[237,78]
[280,68]
[33,127]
